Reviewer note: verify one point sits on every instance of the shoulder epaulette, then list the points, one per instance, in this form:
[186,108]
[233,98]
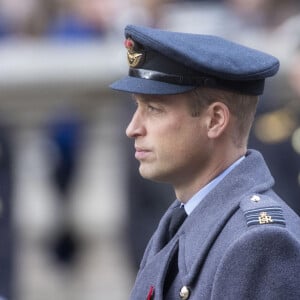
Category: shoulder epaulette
[262,210]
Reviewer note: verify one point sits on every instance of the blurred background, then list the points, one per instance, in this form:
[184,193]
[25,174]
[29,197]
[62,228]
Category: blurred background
[75,216]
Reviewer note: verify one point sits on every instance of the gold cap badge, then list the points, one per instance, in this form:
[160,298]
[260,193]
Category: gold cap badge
[134,57]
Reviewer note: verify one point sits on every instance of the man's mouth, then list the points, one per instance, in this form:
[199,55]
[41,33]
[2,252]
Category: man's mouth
[141,153]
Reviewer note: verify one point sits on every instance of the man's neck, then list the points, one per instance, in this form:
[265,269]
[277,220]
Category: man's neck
[186,190]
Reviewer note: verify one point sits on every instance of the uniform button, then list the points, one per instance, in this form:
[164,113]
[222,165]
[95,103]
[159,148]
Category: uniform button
[184,293]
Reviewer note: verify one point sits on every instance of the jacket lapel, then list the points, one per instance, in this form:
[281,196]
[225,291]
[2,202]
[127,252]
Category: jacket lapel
[157,241]
[156,261]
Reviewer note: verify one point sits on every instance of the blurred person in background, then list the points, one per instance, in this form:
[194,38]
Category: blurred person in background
[265,23]
[83,20]
[27,18]
[64,132]
[262,14]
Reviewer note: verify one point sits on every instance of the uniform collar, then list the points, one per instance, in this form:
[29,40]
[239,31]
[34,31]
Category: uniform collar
[197,198]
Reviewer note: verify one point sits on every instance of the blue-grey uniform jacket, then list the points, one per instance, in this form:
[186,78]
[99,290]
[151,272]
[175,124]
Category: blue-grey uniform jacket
[241,242]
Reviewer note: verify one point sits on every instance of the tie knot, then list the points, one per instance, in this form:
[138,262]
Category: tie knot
[176,221]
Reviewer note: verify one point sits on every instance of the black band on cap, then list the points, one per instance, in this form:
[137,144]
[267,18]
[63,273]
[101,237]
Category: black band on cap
[252,87]
[171,78]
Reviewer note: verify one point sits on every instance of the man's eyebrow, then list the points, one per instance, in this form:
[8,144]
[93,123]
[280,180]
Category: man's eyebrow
[141,97]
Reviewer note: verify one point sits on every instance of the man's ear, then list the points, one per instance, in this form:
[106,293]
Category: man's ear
[218,119]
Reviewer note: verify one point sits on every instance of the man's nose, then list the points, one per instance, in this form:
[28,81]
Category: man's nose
[135,128]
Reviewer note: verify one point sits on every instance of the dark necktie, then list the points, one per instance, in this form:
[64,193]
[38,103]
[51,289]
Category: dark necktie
[177,218]
[176,221]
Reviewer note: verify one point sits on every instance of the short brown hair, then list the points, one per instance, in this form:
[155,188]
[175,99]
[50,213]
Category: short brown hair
[242,107]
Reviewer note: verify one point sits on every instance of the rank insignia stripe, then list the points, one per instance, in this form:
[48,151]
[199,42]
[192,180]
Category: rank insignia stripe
[265,215]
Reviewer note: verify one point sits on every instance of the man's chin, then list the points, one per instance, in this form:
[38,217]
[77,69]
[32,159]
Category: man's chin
[152,175]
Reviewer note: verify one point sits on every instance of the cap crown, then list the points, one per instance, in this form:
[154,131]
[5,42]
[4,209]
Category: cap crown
[206,53]
[166,62]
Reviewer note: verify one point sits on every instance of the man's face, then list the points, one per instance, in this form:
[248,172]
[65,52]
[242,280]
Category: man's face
[170,144]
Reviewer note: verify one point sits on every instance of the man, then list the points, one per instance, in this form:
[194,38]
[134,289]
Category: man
[196,97]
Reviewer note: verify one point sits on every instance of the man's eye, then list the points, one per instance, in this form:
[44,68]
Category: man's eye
[152,108]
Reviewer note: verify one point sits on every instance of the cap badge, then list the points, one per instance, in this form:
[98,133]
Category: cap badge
[133,56]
